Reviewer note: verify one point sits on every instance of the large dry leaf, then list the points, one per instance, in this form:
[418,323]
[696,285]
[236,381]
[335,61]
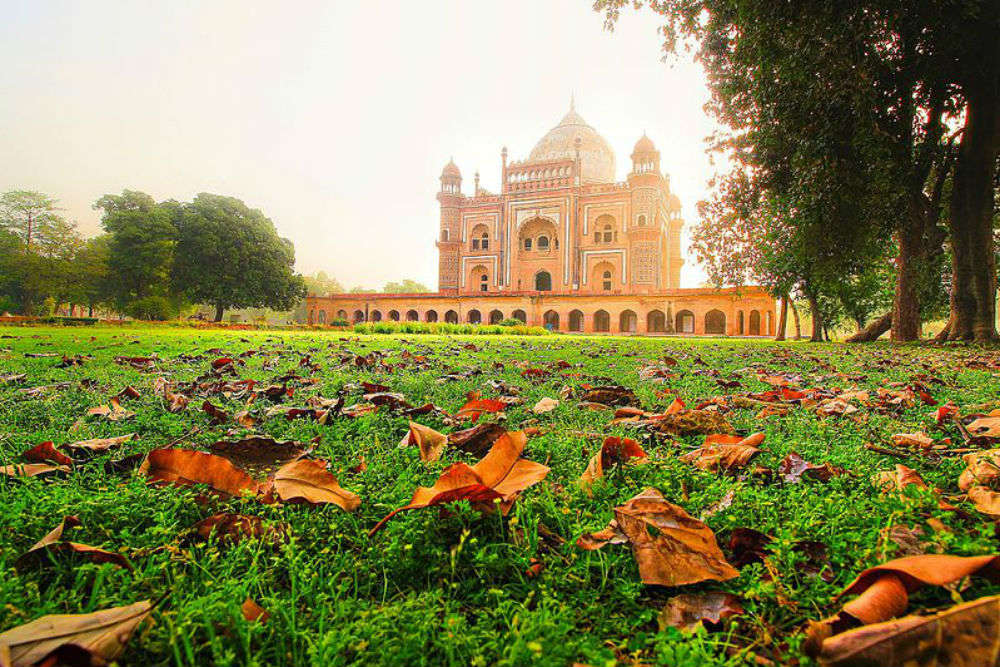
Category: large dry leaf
[475,408]
[988,427]
[982,468]
[32,469]
[52,545]
[919,440]
[692,422]
[46,452]
[883,591]
[986,500]
[185,467]
[500,476]
[112,412]
[615,451]
[724,452]
[476,440]
[101,444]
[103,634]
[610,395]
[258,455]
[964,635]
[898,479]
[793,467]
[544,405]
[309,481]
[689,610]
[671,547]
[430,442]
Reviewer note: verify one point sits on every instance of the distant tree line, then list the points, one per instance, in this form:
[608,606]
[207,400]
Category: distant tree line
[152,260]
[863,137]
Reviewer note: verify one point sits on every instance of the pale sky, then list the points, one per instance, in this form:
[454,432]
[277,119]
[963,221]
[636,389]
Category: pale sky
[333,118]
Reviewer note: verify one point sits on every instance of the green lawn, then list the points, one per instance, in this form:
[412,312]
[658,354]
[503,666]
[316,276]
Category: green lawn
[452,587]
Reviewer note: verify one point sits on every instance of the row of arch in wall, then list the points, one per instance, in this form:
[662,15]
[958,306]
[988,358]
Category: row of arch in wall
[553,172]
[656,320]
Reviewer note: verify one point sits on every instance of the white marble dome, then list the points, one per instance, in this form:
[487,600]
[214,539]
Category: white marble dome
[597,160]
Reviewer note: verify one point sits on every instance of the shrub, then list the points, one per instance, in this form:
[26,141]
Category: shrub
[151,308]
[512,322]
[443,328]
[339,322]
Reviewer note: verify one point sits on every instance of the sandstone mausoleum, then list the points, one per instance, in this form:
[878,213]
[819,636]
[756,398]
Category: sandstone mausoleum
[566,246]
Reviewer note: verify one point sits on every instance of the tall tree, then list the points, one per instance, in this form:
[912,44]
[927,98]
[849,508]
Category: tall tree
[865,93]
[230,256]
[27,214]
[141,246]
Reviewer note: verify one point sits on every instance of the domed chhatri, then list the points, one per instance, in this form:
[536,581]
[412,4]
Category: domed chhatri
[451,169]
[564,245]
[644,145]
[597,159]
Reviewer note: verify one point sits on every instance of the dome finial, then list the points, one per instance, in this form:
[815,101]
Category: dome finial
[572,101]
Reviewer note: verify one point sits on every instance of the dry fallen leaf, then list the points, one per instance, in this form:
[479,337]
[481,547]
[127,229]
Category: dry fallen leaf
[919,440]
[692,422]
[982,468]
[430,442]
[52,544]
[102,635]
[46,452]
[988,427]
[615,451]
[500,476]
[113,412]
[253,612]
[966,634]
[32,469]
[544,405]
[689,610]
[476,440]
[883,591]
[724,452]
[793,467]
[898,479]
[986,500]
[680,550]
[259,454]
[186,467]
[101,444]
[309,481]
[475,408]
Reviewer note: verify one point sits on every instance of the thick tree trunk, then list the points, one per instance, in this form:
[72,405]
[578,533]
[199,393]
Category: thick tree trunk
[219,309]
[796,321]
[906,304]
[973,292]
[874,329]
[782,319]
[817,319]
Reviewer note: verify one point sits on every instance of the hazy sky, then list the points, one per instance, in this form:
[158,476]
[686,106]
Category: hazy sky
[334,118]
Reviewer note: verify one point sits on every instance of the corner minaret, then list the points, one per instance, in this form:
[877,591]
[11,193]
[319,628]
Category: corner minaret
[450,237]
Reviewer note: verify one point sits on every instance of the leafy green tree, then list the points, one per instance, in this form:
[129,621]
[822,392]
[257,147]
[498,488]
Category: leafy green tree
[358,289]
[321,283]
[230,256]
[405,286]
[859,100]
[91,273]
[28,214]
[141,246]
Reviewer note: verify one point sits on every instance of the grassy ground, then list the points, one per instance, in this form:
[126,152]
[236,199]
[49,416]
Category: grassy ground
[454,589]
